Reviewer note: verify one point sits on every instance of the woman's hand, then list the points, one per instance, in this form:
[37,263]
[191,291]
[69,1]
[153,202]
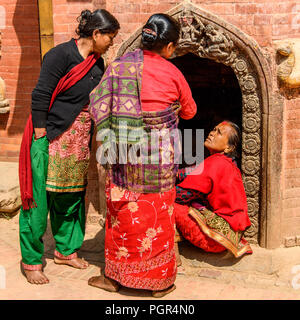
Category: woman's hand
[39,132]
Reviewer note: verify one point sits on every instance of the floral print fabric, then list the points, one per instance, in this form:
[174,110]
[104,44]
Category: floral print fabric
[139,241]
[69,156]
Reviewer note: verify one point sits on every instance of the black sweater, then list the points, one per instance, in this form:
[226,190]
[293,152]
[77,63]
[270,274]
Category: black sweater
[56,63]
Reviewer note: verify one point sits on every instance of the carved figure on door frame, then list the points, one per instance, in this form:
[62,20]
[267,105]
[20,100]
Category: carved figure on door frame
[216,44]
[288,61]
[191,30]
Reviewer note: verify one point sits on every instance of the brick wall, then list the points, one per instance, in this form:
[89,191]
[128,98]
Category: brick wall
[291,170]
[19,67]
[263,20]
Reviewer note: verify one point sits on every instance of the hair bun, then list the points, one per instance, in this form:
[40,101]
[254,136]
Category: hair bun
[100,20]
[83,19]
[159,30]
[149,34]
[84,16]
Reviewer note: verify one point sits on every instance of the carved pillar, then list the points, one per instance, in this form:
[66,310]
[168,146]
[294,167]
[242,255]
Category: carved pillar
[4,104]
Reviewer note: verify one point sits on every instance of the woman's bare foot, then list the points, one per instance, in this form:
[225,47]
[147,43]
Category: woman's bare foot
[162,293]
[75,263]
[104,283]
[36,277]
[177,255]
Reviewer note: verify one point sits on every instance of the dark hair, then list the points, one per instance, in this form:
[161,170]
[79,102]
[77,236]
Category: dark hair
[234,140]
[100,20]
[160,30]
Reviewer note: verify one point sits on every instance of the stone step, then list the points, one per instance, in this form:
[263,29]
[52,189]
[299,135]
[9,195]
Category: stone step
[264,267]
[10,199]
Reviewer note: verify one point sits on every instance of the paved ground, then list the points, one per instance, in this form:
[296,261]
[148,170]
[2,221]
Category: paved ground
[69,284]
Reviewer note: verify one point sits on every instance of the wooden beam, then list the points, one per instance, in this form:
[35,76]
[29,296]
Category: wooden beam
[46,25]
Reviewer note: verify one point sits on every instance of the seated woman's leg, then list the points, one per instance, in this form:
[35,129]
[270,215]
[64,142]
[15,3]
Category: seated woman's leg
[191,231]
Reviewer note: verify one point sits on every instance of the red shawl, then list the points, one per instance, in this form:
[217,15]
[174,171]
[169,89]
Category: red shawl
[221,180]
[25,173]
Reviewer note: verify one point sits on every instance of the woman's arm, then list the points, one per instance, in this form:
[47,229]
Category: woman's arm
[188,104]
[53,69]
[186,196]
[181,174]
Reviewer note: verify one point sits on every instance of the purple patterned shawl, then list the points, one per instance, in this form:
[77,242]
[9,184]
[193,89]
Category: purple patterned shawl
[114,104]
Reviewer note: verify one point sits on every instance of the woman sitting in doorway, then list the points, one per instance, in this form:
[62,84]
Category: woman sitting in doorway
[211,204]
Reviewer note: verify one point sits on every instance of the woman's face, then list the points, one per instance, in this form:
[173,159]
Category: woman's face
[217,140]
[102,41]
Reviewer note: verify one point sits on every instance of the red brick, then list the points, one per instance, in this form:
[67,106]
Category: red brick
[263,30]
[240,20]
[283,30]
[64,19]
[263,41]
[61,28]
[265,8]
[292,125]
[245,8]
[292,183]
[290,163]
[286,7]
[219,8]
[10,147]
[262,19]
[57,3]
[279,19]
[13,154]
[295,20]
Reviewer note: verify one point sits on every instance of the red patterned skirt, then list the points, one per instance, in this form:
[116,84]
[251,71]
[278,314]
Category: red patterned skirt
[208,231]
[139,238]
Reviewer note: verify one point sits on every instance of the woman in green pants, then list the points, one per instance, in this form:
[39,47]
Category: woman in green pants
[55,151]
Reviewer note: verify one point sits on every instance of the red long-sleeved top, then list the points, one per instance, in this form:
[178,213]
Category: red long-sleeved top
[220,179]
[163,84]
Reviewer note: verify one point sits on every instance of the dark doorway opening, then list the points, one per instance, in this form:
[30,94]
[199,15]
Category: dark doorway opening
[216,91]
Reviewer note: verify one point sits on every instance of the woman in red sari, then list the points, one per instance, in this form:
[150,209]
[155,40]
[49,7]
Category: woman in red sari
[142,91]
[211,204]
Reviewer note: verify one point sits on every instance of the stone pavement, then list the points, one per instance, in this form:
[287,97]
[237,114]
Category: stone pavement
[67,283]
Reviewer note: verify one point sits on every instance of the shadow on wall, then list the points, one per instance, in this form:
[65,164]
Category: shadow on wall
[26,24]
[3,120]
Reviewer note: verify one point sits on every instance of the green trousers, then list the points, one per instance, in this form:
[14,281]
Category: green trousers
[67,213]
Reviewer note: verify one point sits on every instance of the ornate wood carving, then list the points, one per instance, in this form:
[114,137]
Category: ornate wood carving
[206,38]
[288,72]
